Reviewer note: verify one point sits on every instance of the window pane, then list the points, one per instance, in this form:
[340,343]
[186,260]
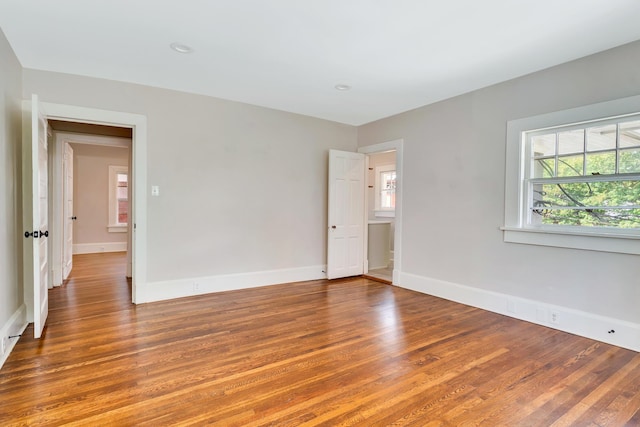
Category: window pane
[620,218]
[603,163]
[629,161]
[630,134]
[599,204]
[543,145]
[571,142]
[121,193]
[388,199]
[544,168]
[123,206]
[601,138]
[570,165]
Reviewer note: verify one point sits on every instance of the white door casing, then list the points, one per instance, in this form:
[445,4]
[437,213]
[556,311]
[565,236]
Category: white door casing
[35,214]
[68,215]
[138,209]
[346,224]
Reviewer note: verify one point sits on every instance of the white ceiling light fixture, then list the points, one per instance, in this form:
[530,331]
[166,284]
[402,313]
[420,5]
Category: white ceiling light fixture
[181,48]
[342,87]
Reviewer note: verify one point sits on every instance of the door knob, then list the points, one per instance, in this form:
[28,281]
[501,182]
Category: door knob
[333,227]
[74,218]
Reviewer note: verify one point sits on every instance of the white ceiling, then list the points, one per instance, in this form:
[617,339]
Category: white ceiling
[289,54]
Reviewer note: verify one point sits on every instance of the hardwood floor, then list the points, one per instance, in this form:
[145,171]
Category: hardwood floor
[345,352]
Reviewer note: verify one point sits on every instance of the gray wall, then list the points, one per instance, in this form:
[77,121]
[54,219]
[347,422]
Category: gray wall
[453,190]
[242,188]
[11,297]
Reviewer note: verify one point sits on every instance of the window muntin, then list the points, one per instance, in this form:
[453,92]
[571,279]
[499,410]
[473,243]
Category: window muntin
[584,175]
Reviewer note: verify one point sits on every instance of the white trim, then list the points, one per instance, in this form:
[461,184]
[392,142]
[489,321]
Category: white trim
[96,248]
[56,221]
[16,325]
[593,326]
[165,290]
[515,229]
[117,228]
[81,138]
[566,239]
[398,146]
[138,212]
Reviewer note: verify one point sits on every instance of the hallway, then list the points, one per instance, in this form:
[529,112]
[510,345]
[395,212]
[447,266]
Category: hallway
[96,287]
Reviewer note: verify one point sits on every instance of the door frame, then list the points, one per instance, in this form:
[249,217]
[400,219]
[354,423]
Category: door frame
[382,147]
[138,172]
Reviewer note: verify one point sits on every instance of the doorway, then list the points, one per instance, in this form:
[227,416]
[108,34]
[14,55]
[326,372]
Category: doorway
[86,216]
[380,225]
[383,200]
[136,125]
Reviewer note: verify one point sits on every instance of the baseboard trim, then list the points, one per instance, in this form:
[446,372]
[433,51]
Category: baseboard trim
[96,248]
[164,290]
[16,325]
[593,326]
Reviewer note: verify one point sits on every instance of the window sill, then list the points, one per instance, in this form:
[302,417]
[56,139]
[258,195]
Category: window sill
[117,228]
[384,214]
[589,240]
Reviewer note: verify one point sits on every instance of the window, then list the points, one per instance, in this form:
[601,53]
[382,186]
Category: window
[584,176]
[573,178]
[118,199]
[385,188]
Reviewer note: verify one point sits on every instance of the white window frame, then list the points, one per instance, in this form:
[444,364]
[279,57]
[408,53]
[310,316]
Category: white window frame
[114,226]
[516,229]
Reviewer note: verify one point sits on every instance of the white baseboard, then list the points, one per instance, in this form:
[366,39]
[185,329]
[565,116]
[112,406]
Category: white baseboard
[626,334]
[16,325]
[159,291]
[95,248]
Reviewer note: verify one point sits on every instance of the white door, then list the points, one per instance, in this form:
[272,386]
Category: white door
[67,195]
[345,242]
[35,209]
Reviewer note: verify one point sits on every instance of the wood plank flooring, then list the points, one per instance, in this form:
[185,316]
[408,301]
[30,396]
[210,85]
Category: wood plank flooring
[345,352]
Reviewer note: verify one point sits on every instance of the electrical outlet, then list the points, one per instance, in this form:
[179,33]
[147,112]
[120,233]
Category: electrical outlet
[196,286]
[554,317]
[4,345]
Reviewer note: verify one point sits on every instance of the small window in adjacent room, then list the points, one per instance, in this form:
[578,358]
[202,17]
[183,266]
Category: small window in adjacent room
[578,183]
[385,187]
[118,199]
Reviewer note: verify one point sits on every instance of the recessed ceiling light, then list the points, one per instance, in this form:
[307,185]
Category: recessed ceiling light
[342,87]
[181,48]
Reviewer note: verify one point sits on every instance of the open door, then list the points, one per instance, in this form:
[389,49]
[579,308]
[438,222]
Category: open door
[35,214]
[345,242]
[67,195]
